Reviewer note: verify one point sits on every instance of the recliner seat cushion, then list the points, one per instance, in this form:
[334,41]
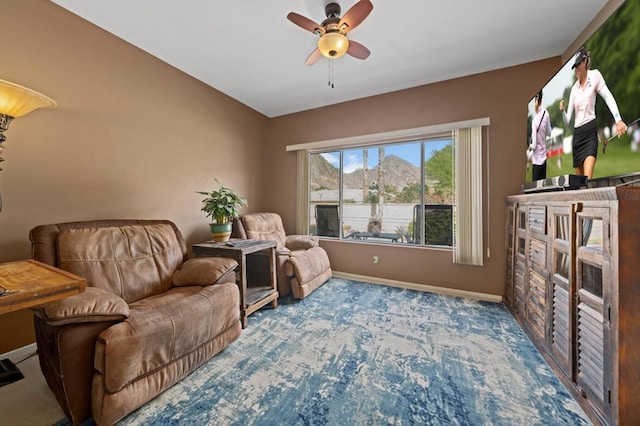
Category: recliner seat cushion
[132,262]
[162,329]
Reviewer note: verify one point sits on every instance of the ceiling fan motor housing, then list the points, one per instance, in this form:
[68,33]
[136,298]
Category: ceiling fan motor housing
[332,10]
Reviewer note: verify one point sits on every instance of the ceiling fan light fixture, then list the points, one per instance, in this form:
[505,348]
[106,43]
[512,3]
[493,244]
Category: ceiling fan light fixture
[333,45]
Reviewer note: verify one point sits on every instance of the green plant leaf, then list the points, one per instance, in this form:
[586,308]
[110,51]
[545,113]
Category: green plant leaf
[221,205]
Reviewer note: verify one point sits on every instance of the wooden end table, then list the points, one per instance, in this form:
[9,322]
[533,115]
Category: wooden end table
[29,283]
[253,296]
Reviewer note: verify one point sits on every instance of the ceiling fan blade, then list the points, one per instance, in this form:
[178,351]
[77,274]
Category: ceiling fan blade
[356,15]
[314,57]
[302,22]
[357,50]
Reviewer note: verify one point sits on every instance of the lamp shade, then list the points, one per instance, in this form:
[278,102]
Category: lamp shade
[16,100]
[333,45]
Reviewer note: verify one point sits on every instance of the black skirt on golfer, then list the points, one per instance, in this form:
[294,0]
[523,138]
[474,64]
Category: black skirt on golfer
[585,142]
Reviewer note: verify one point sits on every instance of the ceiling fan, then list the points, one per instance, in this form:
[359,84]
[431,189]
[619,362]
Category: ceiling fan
[333,42]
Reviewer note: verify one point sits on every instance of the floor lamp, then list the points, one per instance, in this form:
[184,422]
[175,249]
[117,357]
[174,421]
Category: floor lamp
[16,101]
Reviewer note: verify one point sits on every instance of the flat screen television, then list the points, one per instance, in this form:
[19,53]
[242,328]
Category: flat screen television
[615,52]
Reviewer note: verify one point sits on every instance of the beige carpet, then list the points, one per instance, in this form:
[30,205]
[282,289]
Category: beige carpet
[28,402]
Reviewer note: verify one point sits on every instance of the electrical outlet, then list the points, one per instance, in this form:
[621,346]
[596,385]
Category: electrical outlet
[376,260]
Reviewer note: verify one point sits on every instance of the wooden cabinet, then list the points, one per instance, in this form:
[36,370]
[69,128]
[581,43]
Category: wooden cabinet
[573,284]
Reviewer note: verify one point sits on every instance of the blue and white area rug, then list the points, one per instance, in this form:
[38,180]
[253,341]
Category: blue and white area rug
[354,353]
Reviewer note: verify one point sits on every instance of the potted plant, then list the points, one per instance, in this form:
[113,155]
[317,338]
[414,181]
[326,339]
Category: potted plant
[221,206]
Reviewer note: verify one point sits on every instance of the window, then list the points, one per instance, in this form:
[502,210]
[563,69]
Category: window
[341,195]
[400,193]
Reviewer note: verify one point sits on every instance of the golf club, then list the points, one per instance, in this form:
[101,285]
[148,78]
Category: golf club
[605,142]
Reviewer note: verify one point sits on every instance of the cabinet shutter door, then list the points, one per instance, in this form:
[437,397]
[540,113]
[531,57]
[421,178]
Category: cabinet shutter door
[591,353]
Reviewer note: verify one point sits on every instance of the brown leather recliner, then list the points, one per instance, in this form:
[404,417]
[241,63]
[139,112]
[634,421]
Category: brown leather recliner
[147,318]
[301,264]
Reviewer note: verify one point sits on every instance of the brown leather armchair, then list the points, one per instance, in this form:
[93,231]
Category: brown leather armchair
[301,264]
[133,332]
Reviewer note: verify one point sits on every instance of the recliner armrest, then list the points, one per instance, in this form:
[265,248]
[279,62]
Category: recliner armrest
[205,271]
[92,305]
[301,242]
[283,251]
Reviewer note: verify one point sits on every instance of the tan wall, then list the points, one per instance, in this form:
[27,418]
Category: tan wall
[132,137]
[500,95]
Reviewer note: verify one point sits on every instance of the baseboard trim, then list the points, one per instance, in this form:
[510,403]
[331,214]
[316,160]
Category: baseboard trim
[20,353]
[420,287]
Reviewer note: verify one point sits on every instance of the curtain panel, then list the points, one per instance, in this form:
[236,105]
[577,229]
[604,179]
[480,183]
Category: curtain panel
[468,244]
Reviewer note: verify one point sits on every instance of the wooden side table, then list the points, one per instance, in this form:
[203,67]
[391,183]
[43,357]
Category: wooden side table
[29,283]
[253,296]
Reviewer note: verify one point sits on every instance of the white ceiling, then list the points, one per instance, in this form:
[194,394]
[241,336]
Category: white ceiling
[248,49]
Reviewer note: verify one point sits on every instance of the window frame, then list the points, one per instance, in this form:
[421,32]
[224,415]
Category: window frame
[422,146]
[469,249]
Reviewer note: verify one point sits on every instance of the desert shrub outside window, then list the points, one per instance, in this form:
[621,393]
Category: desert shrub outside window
[396,193]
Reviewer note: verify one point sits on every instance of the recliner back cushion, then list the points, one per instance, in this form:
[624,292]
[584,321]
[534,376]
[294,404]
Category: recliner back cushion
[132,262]
[264,226]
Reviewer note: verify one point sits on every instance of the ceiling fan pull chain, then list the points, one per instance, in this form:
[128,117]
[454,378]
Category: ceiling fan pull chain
[331,73]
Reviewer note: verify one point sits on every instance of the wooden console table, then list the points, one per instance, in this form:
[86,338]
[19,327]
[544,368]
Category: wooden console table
[29,283]
[253,296]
